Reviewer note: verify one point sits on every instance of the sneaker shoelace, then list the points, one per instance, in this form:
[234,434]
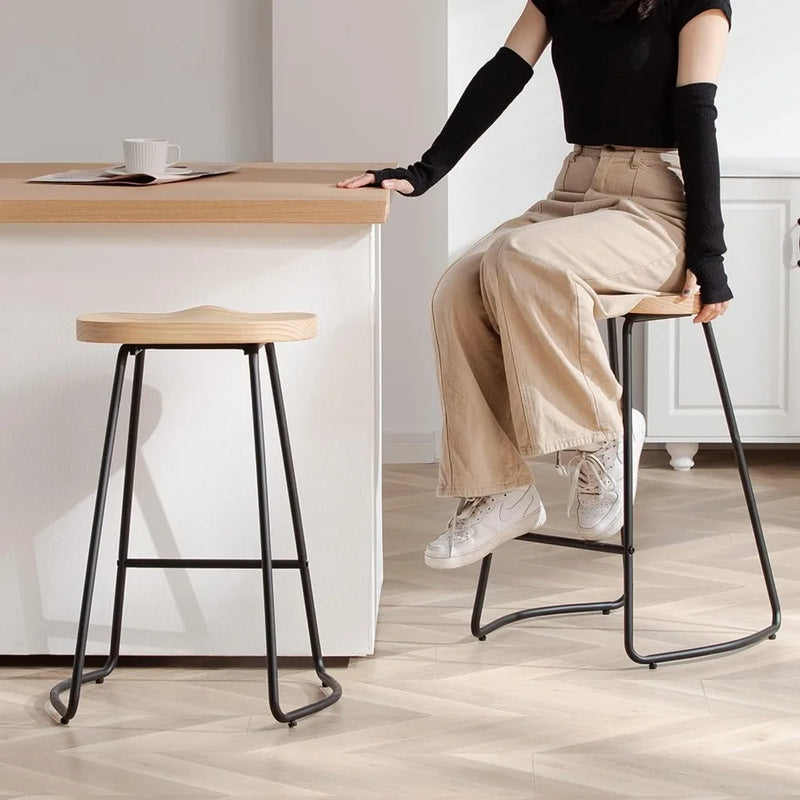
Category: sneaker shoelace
[590,476]
[467,508]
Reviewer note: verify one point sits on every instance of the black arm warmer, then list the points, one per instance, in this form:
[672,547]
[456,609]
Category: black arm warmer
[695,115]
[486,97]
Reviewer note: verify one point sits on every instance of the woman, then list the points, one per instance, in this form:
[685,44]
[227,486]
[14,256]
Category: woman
[634,212]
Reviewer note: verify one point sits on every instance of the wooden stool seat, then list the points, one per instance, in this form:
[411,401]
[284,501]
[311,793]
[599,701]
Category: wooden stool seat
[668,305]
[199,325]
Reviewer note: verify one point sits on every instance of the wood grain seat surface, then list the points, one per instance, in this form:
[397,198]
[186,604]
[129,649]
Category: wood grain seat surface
[199,325]
[669,304]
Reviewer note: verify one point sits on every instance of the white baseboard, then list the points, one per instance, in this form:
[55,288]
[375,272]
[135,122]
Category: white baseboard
[409,447]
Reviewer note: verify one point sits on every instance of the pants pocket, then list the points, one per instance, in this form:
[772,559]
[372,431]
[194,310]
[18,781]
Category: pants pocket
[663,182]
[561,179]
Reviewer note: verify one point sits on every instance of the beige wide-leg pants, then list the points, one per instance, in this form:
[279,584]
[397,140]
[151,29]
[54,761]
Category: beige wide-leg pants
[522,367]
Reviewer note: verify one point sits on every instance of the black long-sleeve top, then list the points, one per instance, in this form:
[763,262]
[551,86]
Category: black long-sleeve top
[617,78]
[618,86]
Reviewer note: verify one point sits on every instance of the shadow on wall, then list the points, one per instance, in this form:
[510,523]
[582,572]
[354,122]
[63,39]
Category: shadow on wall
[56,475]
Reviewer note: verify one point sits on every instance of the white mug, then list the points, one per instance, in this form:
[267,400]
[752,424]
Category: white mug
[150,156]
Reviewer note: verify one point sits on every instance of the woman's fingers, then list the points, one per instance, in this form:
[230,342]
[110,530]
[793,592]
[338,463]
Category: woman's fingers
[357,181]
[399,185]
[367,178]
[690,284]
[710,311]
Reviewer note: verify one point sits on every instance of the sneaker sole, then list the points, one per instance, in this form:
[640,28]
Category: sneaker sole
[590,534]
[526,525]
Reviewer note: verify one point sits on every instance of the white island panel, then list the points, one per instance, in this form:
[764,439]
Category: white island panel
[195,491]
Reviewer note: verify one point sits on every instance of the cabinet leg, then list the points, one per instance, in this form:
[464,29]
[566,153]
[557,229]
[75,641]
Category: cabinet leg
[682,455]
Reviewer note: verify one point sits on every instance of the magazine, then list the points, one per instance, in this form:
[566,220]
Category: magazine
[118,176]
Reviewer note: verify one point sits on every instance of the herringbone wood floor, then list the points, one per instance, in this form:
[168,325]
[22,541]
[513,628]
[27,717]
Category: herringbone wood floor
[544,709]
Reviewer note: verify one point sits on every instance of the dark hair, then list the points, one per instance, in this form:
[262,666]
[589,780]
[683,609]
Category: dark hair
[607,10]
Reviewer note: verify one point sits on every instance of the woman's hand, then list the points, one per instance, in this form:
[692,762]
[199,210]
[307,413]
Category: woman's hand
[367,178]
[709,311]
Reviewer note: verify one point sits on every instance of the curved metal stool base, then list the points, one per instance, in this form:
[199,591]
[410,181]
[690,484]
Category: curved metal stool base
[266,564]
[626,548]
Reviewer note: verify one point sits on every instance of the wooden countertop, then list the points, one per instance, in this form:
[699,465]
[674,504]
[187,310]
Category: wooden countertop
[258,192]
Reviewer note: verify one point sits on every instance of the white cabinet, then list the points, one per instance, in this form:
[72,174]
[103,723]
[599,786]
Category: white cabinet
[758,337]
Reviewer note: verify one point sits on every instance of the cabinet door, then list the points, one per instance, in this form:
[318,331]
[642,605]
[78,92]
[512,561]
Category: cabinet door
[758,337]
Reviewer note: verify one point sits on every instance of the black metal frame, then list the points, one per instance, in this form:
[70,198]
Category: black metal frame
[266,563]
[626,548]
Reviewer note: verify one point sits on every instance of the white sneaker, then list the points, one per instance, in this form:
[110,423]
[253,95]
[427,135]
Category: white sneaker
[597,483]
[480,524]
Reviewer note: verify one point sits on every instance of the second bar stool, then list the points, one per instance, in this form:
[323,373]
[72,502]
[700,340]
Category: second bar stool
[651,309]
[202,328]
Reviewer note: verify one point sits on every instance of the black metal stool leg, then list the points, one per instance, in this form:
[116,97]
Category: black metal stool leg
[628,549]
[263,522]
[477,630]
[613,346]
[67,712]
[125,519]
[721,647]
[744,475]
[299,536]
[289,717]
[613,360]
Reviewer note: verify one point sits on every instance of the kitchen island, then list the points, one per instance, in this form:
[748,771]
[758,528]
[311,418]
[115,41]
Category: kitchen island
[268,237]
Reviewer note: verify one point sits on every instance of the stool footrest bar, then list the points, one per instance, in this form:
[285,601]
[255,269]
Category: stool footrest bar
[208,563]
[578,544]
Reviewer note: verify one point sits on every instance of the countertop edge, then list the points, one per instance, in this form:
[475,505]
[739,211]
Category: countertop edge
[366,212]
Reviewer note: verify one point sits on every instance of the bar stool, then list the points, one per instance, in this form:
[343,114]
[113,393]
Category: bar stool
[202,328]
[649,310]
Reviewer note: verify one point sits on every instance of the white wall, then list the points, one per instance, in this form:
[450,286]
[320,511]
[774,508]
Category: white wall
[358,81]
[77,76]
[759,112]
